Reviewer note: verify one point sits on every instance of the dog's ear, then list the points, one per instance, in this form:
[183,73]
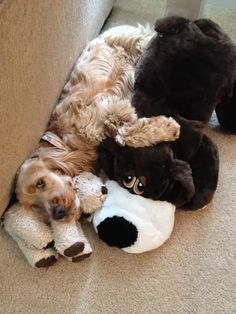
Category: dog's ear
[183,188]
[170,25]
[107,157]
[146,132]
[190,138]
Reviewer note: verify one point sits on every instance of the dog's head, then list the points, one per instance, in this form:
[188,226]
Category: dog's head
[48,189]
[152,172]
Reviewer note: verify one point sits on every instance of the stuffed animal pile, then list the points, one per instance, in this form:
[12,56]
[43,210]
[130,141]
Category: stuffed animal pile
[187,71]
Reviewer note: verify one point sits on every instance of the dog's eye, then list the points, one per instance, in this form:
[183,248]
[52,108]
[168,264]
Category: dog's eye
[40,184]
[129,181]
[139,186]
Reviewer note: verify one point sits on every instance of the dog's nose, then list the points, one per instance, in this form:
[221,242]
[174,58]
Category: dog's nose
[58,213]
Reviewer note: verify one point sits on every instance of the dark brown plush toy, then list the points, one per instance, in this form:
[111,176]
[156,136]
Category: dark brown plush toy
[187,71]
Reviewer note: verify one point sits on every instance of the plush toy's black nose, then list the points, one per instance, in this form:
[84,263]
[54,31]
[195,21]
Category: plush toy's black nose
[58,213]
[117,231]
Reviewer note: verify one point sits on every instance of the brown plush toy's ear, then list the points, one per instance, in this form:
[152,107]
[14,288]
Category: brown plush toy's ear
[170,25]
[190,138]
[183,188]
[107,156]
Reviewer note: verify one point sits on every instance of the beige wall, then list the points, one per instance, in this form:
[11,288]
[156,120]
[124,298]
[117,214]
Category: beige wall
[39,42]
[186,8]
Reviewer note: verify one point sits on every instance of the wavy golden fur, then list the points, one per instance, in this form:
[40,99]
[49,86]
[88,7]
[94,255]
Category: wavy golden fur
[94,104]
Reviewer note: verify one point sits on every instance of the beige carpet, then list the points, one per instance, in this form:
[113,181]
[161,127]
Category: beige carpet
[194,272]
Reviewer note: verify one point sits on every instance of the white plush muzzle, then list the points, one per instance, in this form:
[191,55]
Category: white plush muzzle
[131,222]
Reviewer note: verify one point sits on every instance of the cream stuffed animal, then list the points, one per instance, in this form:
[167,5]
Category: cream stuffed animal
[41,243]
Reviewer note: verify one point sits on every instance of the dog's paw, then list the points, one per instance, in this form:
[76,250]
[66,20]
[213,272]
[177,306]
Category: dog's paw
[171,128]
[148,131]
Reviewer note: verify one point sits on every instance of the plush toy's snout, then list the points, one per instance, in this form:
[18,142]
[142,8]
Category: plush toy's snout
[132,222]
[117,231]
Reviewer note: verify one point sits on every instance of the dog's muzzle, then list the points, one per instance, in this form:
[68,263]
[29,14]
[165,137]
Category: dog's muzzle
[58,213]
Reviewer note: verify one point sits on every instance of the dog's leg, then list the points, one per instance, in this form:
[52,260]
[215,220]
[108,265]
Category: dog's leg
[69,239]
[148,131]
[118,113]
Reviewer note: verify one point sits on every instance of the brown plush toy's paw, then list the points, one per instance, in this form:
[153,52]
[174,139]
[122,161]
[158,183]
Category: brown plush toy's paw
[46,262]
[74,249]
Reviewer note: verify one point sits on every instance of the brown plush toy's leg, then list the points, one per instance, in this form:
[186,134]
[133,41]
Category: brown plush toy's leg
[205,170]
[226,112]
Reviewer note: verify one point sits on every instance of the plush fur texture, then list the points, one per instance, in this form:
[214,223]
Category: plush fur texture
[187,70]
[94,103]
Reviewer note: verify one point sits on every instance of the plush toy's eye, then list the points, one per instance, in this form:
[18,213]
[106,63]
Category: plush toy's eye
[40,184]
[129,181]
[139,186]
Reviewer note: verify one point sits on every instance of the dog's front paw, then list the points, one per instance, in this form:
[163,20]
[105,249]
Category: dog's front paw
[148,131]
[171,129]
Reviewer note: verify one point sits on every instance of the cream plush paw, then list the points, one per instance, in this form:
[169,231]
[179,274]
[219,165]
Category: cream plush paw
[86,253]
[31,235]
[87,247]
[69,239]
[37,257]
